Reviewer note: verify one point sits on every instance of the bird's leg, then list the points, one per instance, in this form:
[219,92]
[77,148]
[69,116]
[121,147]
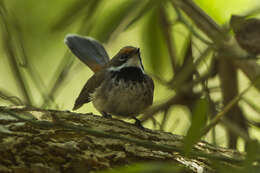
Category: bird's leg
[138,123]
[106,115]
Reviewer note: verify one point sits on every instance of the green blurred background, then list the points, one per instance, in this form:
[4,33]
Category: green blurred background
[36,66]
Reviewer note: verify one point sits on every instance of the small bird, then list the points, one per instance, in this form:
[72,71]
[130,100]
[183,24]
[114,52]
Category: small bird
[247,33]
[118,86]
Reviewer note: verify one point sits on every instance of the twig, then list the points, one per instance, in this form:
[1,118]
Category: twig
[62,71]
[67,60]
[32,71]
[175,99]
[167,34]
[236,129]
[225,110]
[251,104]
[188,69]
[165,118]
[220,38]
[12,58]
[191,28]
[13,99]
[202,20]
[159,79]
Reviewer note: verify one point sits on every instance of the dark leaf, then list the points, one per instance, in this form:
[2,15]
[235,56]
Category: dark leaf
[146,7]
[253,152]
[112,18]
[187,58]
[73,12]
[154,44]
[10,43]
[198,122]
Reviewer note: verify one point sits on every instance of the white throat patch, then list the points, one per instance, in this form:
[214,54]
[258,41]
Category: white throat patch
[132,62]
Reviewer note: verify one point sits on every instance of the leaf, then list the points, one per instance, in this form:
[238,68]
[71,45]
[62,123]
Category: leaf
[10,42]
[187,57]
[198,122]
[112,18]
[144,9]
[253,152]
[89,17]
[73,12]
[153,41]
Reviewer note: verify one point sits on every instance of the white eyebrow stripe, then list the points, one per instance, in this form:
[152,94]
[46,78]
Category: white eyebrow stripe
[122,66]
[117,68]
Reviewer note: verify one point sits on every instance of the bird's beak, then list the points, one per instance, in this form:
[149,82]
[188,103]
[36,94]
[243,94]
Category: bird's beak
[137,50]
[135,59]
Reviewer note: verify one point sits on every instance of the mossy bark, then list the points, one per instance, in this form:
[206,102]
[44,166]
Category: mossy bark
[42,141]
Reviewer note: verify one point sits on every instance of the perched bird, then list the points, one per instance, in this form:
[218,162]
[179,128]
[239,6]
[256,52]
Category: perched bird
[119,86]
[247,33]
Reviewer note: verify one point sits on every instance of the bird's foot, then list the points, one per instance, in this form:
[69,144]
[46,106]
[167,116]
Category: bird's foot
[138,123]
[106,115]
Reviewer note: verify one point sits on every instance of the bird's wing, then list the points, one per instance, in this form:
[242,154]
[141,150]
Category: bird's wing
[85,94]
[151,88]
[88,50]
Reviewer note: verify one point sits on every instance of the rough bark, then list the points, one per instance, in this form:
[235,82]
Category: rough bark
[35,140]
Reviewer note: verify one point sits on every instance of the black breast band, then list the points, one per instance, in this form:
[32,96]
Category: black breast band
[129,74]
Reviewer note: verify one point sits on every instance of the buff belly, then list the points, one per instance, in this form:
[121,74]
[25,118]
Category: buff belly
[122,98]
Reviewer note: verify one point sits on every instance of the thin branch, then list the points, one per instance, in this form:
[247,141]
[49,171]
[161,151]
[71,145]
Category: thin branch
[250,68]
[189,68]
[165,118]
[191,28]
[234,128]
[167,33]
[159,79]
[67,61]
[175,99]
[220,38]
[62,71]
[226,109]
[254,106]
[12,99]
[202,20]
[7,42]
[30,68]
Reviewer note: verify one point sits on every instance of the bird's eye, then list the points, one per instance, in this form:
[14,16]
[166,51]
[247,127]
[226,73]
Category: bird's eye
[123,58]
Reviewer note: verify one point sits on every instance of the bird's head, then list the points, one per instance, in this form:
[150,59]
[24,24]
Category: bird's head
[127,57]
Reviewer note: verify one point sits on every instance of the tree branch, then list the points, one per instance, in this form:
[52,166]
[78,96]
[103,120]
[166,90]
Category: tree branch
[65,141]
[202,20]
[223,41]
